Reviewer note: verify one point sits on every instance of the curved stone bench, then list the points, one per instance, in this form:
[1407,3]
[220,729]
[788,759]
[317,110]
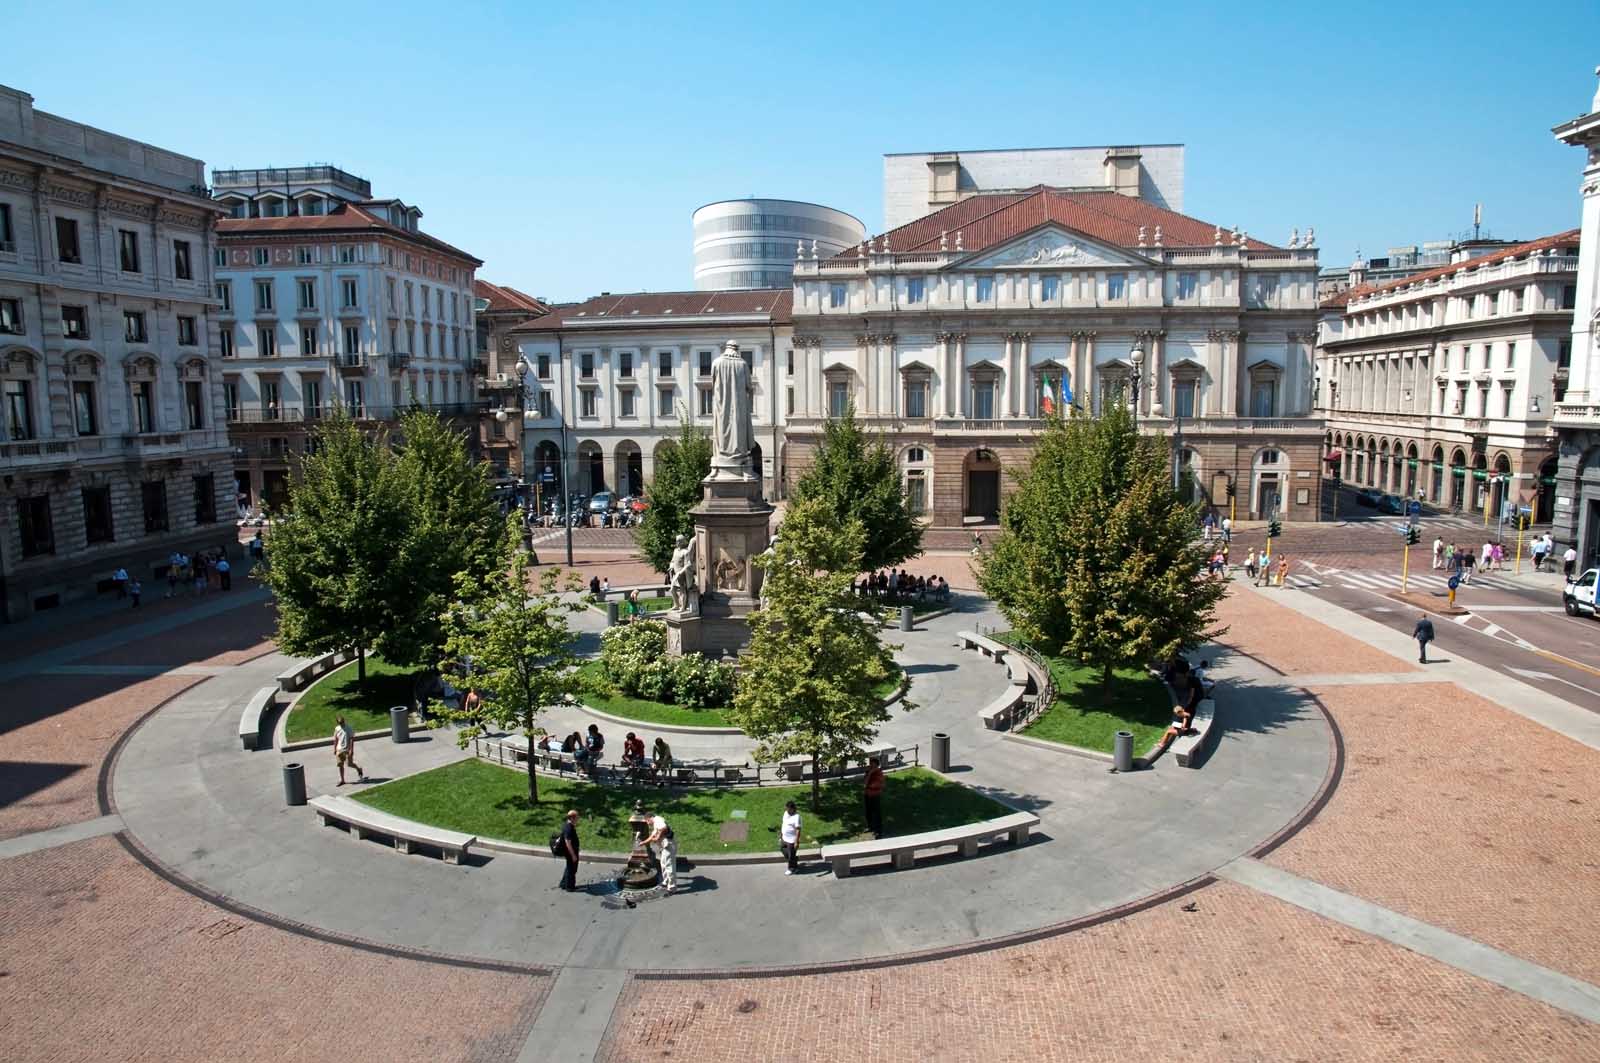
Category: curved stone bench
[1190,749]
[903,850]
[1021,701]
[364,821]
[301,675]
[255,712]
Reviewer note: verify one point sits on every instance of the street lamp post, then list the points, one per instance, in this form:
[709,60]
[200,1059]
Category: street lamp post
[1137,358]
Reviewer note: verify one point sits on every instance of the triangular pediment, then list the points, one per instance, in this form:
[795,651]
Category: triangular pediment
[1053,246]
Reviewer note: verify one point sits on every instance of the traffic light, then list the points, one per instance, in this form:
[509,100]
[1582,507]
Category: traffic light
[1413,535]
[1232,490]
[1274,529]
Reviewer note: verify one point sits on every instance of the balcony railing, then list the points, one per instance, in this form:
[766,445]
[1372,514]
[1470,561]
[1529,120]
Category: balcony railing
[1576,415]
[1205,423]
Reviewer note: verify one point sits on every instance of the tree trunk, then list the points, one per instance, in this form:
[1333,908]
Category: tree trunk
[816,783]
[1105,680]
[533,780]
[361,665]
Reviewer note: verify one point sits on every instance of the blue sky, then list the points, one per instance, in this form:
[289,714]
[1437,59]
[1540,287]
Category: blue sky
[567,145]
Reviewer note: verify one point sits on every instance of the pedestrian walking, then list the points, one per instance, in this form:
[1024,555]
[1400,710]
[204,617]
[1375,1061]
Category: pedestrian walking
[199,573]
[1227,529]
[1469,561]
[1423,633]
[1438,552]
[1538,550]
[1486,561]
[789,836]
[1283,571]
[135,589]
[225,573]
[872,797]
[174,572]
[666,850]
[569,846]
[344,749]
[120,576]
[1498,556]
[1569,561]
[1250,564]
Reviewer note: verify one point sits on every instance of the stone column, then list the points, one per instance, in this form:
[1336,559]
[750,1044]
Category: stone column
[1024,374]
[1088,371]
[889,394]
[960,382]
[1158,360]
[1010,390]
[940,403]
[864,367]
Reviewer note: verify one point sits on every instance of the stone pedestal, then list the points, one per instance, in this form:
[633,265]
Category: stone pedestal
[730,531]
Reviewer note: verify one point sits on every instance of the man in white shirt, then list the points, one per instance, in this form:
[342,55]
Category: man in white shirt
[1569,561]
[344,749]
[1438,552]
[120,576]
[789,836]
[666,850]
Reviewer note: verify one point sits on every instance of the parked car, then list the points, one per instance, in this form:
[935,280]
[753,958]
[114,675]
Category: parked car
[1368,496]
[1578,596]
[601,502]
[1391,504]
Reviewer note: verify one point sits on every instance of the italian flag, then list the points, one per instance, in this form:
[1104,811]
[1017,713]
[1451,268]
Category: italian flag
[1047,401]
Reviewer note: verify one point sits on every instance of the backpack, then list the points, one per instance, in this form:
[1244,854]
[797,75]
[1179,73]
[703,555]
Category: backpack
[556,848]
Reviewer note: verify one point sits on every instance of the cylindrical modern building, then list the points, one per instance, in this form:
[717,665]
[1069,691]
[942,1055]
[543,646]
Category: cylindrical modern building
[751,243]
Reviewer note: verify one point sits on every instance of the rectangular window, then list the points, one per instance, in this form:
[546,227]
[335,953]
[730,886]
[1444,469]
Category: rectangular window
[219,257]
[1505,402]
[1511,354]
[663,363]
[355,398]
[19,410]
[67,240]
[186,332]
[1116,285]
[225,295]
[352,339]
[586,366]
[263,295]
[153,494]
[230,399]
[1188,284]
[266,341]
[8,235]
[917,492]
[307,292]
[546,405]
[33,521]
[269,400]
[983,399]
[916,289]
[194,404]
[838,398]
[308,339]
[705,402]
[625,365]
[303,256]
[1569,297]
[311,397]
[985,289]
[347,253]
[410,300]
[664,399]
[98,524]
[84,416]
[1267,288]
[1183,394]
[347,293]
[11,316]
[543,368]
[1492,302]
[705,363]
[182,267]
[625,399]
[788,362]
[1262,393]
[427,342]
[133,326]
[1517,300]
[836,295]
[75,322]
[788,402]
[205,499]
[225,341]
[1049,288]
[587,407]
[262,256]
[916,398]
[128,249]
[144,406]
[424,300]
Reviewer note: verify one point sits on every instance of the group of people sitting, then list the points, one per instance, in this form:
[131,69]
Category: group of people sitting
[588,750]
[1193,685]
[900,584]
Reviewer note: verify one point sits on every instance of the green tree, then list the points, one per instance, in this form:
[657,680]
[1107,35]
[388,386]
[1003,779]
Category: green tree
[674,490]
[332,566]
[857,478]
[806,684]
[1097,558]
[520,649]
[453,527]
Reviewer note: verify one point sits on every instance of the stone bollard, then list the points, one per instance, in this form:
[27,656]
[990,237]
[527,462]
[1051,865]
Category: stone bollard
[400,724]
[1122,751]
[294,784]
[611,614]
[905,618]
[941,751]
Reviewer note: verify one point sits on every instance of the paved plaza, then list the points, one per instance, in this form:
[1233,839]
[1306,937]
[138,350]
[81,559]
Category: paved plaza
[1378,860]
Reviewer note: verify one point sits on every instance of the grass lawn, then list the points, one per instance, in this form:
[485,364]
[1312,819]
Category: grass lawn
[919,607]
[1085,715]
[485,799]
[646,711]
[366,706]
[649,605]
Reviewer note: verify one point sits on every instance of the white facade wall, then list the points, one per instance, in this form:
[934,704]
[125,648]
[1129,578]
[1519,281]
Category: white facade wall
[752,243]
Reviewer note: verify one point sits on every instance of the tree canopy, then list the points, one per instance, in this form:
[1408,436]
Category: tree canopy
[1097,558]
[856,477]
[674,490]
[807,682]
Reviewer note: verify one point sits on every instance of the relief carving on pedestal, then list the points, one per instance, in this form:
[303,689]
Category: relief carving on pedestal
[728,572]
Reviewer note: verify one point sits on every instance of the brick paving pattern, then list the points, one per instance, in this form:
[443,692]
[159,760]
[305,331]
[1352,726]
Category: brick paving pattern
[1462,814]
[1243,977]
[53,735]
[228,638]
[104,961]
[1295,644]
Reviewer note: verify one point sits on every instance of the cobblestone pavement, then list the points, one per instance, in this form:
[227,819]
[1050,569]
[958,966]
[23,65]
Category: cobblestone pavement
[1238,977]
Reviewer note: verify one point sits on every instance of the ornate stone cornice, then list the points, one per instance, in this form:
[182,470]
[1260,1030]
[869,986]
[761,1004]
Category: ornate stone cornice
[13,179]
[78,197]
[130,208]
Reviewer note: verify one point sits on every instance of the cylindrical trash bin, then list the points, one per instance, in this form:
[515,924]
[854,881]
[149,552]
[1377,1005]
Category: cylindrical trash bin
[1122,751]
[941,751]
[611,614]
[905,618]
[294,784]
[400,723]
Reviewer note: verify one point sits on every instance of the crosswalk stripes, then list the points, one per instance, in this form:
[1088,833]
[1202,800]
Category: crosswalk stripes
[1425,580]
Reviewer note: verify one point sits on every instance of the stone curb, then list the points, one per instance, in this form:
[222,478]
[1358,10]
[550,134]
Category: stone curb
[1059,747]
[710,859]
[682,729]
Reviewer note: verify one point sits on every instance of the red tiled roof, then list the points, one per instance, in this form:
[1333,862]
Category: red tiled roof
[1515,251]
[345,218]
[990,219]
[778,303]
[500,297]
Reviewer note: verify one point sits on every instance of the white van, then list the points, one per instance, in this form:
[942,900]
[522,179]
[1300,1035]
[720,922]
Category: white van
[1578,596]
